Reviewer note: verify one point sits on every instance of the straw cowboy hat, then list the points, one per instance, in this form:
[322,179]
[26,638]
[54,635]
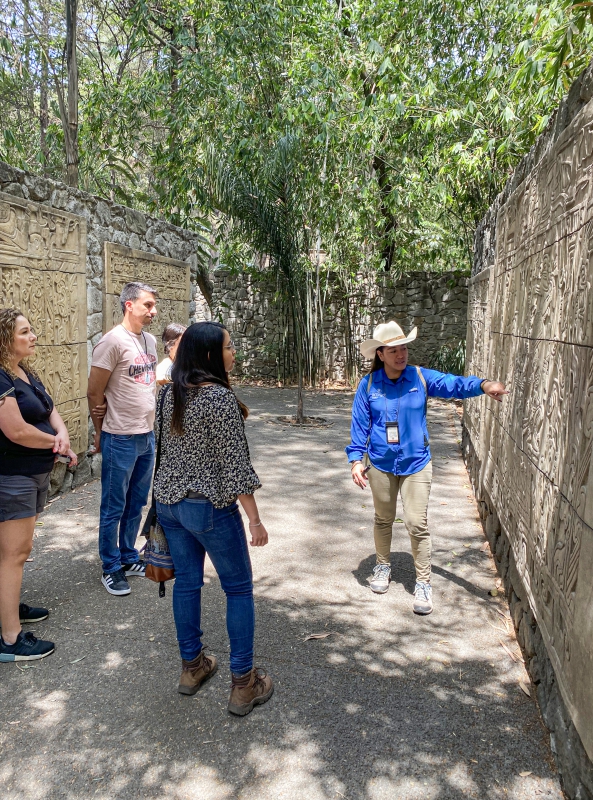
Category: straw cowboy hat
[389,333]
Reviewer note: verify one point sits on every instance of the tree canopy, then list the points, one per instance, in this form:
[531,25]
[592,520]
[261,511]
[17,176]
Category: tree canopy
[407,117]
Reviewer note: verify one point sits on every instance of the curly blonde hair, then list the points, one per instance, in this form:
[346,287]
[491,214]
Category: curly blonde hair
[8,318]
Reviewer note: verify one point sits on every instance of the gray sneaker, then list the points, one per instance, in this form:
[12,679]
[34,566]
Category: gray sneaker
[422,598]
[380,580]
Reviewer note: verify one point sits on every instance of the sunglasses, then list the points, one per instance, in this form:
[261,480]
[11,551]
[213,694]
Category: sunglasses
[41,396]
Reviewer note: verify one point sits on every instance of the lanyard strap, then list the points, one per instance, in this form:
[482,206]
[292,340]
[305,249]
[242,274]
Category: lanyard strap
[136,341]
[399,397]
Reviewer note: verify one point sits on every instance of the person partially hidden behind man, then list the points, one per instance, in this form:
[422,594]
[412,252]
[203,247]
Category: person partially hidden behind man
[123,371]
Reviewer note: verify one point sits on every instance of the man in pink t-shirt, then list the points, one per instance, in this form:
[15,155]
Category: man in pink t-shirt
[123,372]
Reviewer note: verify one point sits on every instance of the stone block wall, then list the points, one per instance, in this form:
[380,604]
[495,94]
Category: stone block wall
[530,324]
[435,303]
[105,222]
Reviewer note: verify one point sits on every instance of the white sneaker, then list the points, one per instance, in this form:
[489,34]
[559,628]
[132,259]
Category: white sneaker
[422,598]
[137,570]
[381,577]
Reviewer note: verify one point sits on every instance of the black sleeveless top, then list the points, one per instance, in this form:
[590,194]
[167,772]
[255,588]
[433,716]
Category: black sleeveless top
[35,406]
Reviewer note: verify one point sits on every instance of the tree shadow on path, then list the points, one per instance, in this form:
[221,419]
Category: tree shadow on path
[390,706]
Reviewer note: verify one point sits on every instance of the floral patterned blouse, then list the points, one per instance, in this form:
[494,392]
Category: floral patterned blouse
[212,455]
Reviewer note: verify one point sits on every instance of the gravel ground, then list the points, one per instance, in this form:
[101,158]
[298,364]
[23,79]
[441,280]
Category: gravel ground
[390,706]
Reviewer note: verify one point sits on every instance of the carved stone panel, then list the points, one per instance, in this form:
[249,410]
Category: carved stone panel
[169,277]
[536,446]
[43,273]
[477,361]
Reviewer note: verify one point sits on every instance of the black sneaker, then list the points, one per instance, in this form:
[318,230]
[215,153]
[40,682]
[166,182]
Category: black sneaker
[138,569]
[26,648]
[116,582]
[28,614]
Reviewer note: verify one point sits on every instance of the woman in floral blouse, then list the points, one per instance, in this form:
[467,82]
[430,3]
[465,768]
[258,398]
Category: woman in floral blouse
[204,469]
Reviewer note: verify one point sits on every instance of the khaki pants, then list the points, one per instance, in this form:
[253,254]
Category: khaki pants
[415,490]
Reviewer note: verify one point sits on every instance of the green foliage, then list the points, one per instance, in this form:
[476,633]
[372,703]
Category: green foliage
[409,115]
[449,358]
[265,210]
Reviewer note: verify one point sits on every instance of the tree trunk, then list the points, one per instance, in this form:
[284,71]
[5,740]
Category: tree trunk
[389,222]
[44,93]
[300,418]
[71,128]
[379,165]
[299,346]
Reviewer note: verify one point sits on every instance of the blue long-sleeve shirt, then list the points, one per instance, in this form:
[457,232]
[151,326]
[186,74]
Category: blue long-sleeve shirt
[402,401]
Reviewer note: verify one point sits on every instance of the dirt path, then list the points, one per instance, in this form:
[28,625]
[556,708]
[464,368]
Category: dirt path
[390,706]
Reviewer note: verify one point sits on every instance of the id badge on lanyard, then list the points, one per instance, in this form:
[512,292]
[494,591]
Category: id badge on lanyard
[392,432]
[391,428]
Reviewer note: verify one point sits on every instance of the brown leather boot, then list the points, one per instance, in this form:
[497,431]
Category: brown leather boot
[196,672]
[250,690]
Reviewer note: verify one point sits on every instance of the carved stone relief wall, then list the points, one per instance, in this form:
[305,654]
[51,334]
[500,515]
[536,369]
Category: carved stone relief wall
[104,221]
[42,272]
[530,324]
[170,278]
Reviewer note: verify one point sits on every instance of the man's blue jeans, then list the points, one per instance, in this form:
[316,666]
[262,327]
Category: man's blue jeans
[126,474]
[194,528]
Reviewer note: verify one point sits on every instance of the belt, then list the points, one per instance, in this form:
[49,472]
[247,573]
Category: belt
[196,496]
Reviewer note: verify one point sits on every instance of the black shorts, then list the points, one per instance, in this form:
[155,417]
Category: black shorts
[22,496]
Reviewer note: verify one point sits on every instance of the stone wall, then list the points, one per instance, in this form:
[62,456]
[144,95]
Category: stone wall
[436,303]
[104,222]
[530,324]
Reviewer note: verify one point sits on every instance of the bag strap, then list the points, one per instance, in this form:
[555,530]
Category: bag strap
[423,382]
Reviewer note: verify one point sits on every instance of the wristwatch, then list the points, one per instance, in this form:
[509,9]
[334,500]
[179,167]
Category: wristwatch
[354,463]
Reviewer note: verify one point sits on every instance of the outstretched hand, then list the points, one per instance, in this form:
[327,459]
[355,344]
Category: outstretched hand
[494,389]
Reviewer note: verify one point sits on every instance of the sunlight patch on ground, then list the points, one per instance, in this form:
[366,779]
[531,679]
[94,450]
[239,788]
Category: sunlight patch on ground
[198,783]
[294,772]
[403,789]
[112,661]
[52,707]
[460,778]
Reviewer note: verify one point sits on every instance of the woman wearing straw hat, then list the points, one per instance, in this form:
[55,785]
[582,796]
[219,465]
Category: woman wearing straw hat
[390,446]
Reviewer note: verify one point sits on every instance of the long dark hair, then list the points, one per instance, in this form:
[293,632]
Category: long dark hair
[377,363]
[198,360]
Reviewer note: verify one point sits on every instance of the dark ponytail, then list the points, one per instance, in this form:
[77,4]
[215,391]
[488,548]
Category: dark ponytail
[170,335]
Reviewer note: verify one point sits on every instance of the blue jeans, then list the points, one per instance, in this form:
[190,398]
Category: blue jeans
[126,474]
[194,528]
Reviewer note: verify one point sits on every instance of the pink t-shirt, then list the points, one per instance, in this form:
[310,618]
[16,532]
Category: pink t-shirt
[130,391]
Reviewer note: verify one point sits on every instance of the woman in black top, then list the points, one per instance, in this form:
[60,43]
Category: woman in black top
[32,435]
